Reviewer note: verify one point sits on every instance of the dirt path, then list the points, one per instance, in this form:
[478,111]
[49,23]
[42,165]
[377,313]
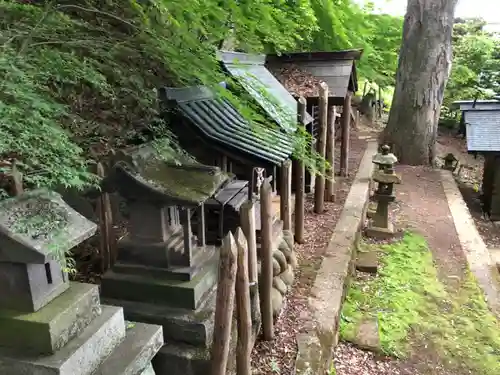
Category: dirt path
[422,206]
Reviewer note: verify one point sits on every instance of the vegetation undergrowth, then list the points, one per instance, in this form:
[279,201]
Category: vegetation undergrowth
[414,309]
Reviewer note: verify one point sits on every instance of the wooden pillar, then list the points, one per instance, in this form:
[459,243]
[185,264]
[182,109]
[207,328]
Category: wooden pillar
[344,146]
[243,310]
[330,155]
[247,220]
[319,188]
[224,305]
[266,255]
[201,226]
[300,182]
[494,199]
[285,195]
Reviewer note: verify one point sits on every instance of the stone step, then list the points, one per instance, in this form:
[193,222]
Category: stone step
[201,258]
[135,353]
[174,293]
[188,326]
[49,329]
[81,356]
[176,358]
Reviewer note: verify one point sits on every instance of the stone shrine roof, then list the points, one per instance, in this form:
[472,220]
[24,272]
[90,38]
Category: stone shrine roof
[38,226]
[168,183]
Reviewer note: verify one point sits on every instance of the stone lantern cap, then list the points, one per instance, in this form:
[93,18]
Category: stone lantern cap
[385,157]
[37,225]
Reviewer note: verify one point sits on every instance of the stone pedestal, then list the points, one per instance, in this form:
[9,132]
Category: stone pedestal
[50,326]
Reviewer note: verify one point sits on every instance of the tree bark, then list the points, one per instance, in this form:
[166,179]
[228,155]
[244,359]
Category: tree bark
[423,70]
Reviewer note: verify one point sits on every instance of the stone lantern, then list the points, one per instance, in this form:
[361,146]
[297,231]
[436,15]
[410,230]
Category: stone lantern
[383,159]
[450,162]
[380,226]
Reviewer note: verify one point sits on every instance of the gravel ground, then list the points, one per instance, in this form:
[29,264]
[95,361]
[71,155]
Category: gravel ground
[279,355]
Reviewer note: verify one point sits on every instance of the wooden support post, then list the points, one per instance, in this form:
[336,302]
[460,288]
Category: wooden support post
[107,246]
[344,146]
[188,244]
[224,163]
[201,226]
[300,182]
[247,220]
[286,194]
[244,345]
[224,305]
[266,255]
[17,179]
[319,188]
[330,155]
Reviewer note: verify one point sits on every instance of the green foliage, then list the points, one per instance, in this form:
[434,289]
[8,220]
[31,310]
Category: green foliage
[344,24]
[79,78]
[476,65]
[415,310]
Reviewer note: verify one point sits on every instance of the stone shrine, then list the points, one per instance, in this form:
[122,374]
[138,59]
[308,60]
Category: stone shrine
[48,325]
[380,225]
[164,273]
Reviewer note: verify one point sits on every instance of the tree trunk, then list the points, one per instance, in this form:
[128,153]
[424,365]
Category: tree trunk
[423,70]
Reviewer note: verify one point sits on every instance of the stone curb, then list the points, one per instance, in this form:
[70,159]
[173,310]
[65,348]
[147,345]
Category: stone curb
[315,348]
[478,257]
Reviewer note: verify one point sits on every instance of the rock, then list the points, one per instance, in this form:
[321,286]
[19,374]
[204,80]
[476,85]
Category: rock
[285,249]
[288,238]
[367,337]
[280,257]
[276,267]
[276,301]
[288,276]
[292,260]
[280,285]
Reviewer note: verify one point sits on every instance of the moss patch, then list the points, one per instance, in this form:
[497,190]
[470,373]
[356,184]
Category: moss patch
[414,309]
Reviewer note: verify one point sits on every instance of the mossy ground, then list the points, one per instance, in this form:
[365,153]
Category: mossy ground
[415,310]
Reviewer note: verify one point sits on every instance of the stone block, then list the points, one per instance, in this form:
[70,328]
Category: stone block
[29,287]
[380,233]
[193,327]
[134,354]
[174,293]
[49,329]
[367,336]
[181,359]
[81,356]
[367,261]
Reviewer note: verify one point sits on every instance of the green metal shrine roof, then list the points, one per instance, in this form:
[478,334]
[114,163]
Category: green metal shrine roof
[216,120]
[251,72]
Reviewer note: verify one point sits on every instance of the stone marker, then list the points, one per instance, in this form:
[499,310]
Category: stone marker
[367,261]
[367,336]
[380,225]
[48,325]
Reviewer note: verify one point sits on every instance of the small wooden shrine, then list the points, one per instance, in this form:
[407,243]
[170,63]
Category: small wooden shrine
[482,122]
[300,73]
